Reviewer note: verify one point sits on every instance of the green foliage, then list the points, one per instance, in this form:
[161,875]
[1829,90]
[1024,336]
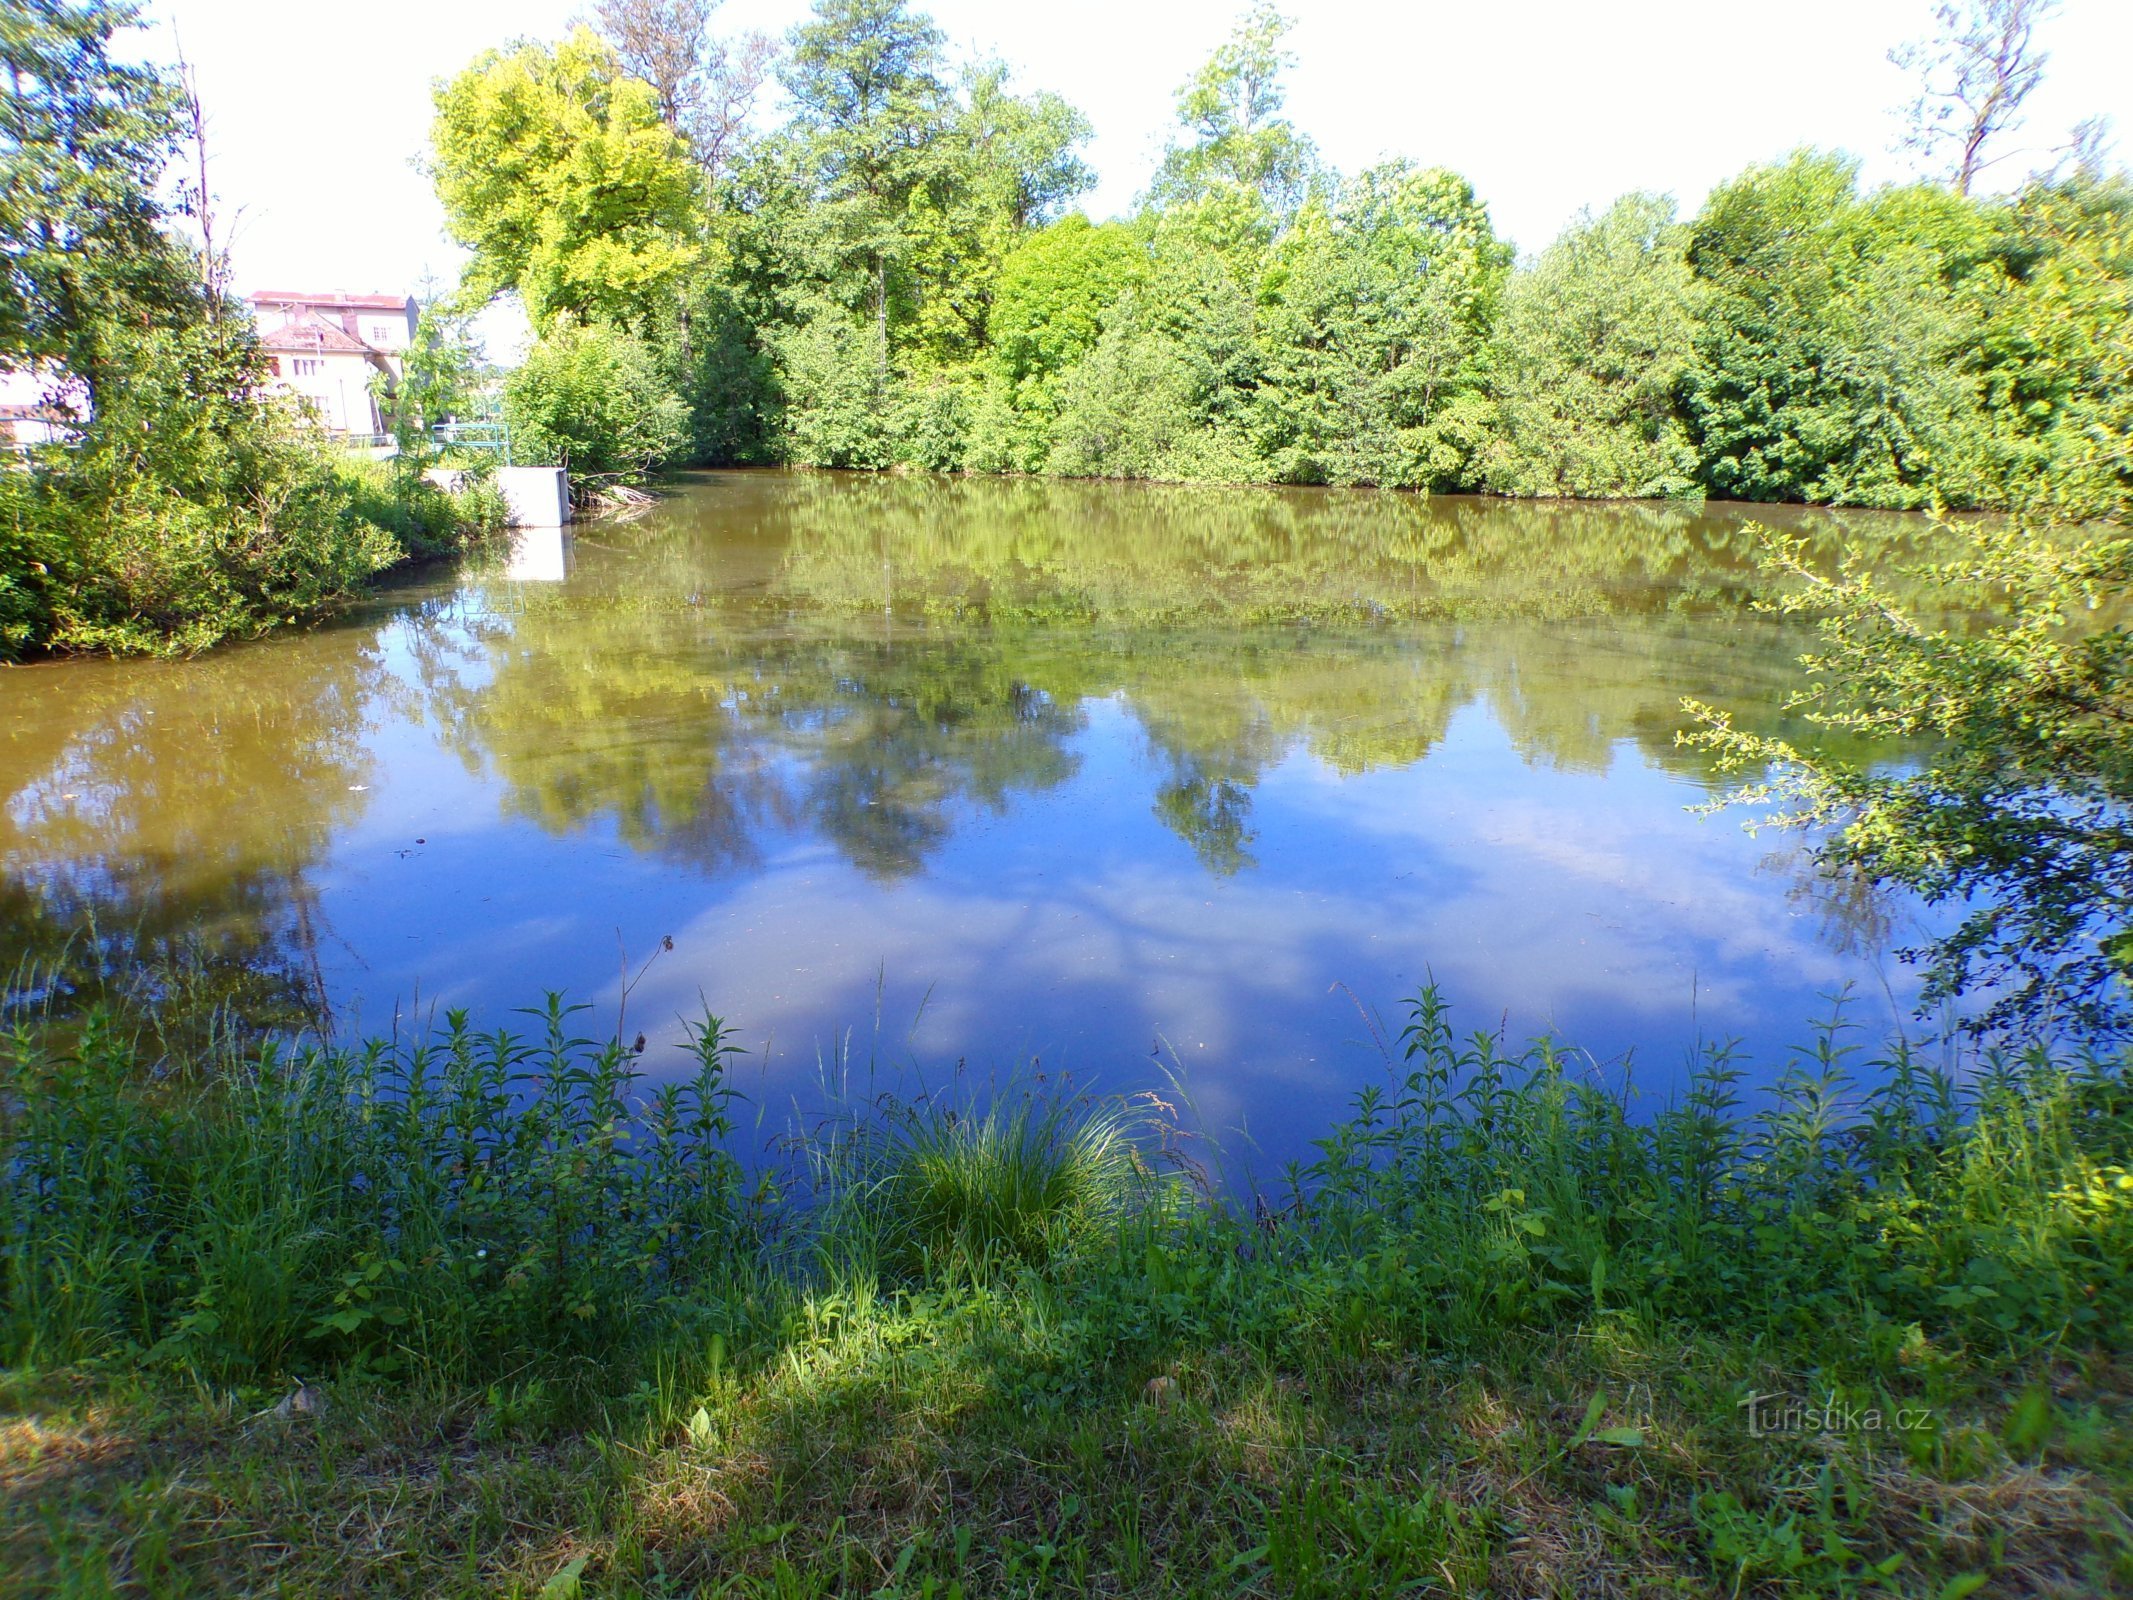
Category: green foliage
[835,409]
[1231,110]
[1837,336]
[1374,328]
[193,507]
[558,173]
[1056,290]
[457,1205]
[1596,339]
[439,380]
[1499,1312]
[2021,817]
[1166,390]
[2058,354]
[885,281]
[467,1204]
[186,502]
[84,137]
[593,399]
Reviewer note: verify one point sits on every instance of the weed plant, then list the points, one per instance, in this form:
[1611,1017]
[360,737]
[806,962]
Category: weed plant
[462,1205]
[1495,1338]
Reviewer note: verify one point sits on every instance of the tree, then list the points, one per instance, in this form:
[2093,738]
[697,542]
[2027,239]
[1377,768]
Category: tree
[1374,333]
[190,502]
[84,141]
[706,86]
[1231,108]
[1001,165]
[1167,390]
[2056,356]
[1838,335]
[1055,292]
[592,399]
[439,375]
[1596,339]
[557,172]
[1974,74]
[868,97]
[2022,820]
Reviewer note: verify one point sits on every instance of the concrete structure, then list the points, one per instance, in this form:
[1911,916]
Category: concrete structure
[535,497]
[328,349]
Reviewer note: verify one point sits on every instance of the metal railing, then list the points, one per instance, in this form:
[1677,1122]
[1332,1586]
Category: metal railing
[474,436]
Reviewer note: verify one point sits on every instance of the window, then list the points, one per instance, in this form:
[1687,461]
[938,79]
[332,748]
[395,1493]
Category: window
[381,333]
[305,367]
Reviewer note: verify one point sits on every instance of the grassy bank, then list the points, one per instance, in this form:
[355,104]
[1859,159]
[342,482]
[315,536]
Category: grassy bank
[491,1314]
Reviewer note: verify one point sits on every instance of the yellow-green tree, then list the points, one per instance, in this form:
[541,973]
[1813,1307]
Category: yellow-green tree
[557,171]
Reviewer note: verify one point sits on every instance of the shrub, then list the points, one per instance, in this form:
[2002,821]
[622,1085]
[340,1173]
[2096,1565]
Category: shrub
[194,506]
[592,399]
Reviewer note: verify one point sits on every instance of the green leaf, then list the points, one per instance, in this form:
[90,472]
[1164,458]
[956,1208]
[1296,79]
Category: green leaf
[2030,1423]
[564,1585]
[1595,1408]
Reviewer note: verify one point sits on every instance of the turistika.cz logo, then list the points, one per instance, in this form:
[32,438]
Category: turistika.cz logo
[1784,1413]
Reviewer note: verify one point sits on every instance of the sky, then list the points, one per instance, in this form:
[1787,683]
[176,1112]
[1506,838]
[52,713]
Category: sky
[318,115]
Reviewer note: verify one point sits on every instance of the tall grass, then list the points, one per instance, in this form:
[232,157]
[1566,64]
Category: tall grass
[919,1187]
[1887,1198]
[461,1205]
[481,1204]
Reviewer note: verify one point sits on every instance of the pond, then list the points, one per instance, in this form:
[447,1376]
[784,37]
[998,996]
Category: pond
[1143,785]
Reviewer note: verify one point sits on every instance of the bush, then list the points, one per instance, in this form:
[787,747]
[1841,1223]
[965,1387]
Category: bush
[593,400]
[423,519]
[194,506]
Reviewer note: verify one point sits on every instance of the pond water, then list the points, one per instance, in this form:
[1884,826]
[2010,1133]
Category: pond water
[1124,782]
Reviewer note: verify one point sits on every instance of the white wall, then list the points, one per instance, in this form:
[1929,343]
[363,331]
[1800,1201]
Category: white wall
[339,390]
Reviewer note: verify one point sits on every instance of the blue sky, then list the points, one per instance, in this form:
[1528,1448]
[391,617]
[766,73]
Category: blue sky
[318,115]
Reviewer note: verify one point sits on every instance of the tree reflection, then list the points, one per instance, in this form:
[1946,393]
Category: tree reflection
[866,657]
[162,820]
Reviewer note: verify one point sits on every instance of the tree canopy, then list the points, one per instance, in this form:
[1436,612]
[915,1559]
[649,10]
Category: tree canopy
[891,276]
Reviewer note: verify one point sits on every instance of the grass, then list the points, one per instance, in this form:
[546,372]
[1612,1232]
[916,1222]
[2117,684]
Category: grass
[485,1315]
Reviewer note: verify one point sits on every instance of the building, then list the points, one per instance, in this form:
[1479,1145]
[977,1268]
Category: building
[328,349]
[38,407]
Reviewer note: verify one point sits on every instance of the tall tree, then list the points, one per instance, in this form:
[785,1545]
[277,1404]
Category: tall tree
[1979,66]
[1231,110]
[556,170]
[1002,165]
[706,86]
[868,96]
[84,140]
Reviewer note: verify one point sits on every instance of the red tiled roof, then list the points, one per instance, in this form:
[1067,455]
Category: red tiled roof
[309,297]
[311,333]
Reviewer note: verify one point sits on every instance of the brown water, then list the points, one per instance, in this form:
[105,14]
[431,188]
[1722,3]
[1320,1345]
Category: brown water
[1122,779]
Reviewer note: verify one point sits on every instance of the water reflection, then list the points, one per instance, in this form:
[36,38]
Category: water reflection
[1097,771]
[538,555]
[171,813]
